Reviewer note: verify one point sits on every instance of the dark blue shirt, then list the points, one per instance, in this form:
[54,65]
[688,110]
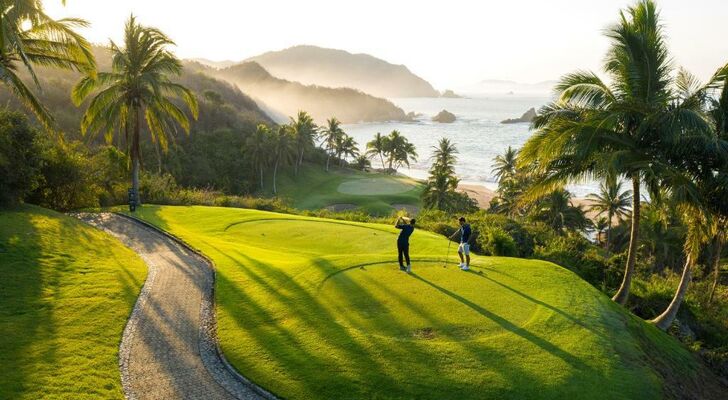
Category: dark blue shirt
[465,232]
[407,230]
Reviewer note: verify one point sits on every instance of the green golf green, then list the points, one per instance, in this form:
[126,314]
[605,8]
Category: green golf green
[374,186]
[67,292]
[317,309]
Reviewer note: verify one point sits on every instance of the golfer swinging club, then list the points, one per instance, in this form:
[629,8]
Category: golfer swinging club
[464,247]
[403,242]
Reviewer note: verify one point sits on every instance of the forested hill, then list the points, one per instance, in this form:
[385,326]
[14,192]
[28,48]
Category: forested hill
[312,65]
[222,105]
[286,98]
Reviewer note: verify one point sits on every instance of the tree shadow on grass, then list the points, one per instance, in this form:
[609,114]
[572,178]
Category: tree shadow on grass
[25,317]
[547,346]
[325,358]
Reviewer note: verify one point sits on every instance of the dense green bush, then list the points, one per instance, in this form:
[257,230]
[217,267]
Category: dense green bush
[68,180]
[497,242]
[20,160]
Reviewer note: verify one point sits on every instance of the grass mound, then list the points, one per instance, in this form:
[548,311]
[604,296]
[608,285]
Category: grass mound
[374,193]
[67,292]
[313,308]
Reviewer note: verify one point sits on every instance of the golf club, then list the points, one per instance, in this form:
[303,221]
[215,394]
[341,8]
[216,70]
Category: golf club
[447,257]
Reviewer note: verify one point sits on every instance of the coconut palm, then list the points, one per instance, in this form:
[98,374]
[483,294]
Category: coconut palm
[611,200]
[257,149]
[505,164]
[330,136]
[305,131]
[29,38]
[137,94]
[283,150]
[377,147]
[347,147]
[405,154]
[442,182]
[557,211]
[393,144]
[595,129]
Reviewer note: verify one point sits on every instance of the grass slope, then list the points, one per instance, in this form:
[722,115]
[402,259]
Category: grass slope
[374,193]
[314,308]
[67,292]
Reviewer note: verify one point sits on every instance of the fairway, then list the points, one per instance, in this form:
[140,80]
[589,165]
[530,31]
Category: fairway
[374,186]
[313,308]
[67,292]
[374,193]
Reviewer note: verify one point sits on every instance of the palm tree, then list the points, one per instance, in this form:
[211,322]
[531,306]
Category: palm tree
[138,91]
[377,147]
[505,165]
[442,181]
[30,38]
[595,129]
[304,130]
[257,149]
[557,211]
[330,136]
[362,163]
[347,148]
[612,201]
[394,142]
[405,154]
[283,150]
[600,226]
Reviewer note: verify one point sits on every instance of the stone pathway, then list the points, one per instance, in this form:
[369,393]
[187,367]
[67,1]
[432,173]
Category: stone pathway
[169,348]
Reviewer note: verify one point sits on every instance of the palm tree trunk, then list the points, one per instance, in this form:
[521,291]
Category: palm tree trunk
[609,230]
[159,158]
[275,173]
[664,320]
[381,157]
[717,249]
[328,157]
[135,157]
[261,176]
[623,292]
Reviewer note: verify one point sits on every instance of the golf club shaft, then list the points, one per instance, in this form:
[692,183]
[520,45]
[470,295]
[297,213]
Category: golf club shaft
[447,257]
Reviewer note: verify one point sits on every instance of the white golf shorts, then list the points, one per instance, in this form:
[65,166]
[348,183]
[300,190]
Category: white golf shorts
[464,248]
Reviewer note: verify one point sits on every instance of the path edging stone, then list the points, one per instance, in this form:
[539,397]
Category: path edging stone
[212,356]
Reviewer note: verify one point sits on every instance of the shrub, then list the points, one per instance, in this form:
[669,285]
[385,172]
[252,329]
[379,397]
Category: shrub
[497,242]
[19,158]
[68,181]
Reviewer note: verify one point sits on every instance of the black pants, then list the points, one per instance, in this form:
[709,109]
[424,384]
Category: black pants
[403,251]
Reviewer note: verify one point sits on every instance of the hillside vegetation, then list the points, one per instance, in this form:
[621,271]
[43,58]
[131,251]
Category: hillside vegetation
[67,292]
[312,65]
[314,308]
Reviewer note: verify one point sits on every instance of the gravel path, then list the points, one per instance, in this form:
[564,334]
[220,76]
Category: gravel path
[169,348]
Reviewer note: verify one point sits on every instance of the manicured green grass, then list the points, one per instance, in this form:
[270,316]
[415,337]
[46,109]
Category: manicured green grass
[67,291]
[313,308]
[374,193]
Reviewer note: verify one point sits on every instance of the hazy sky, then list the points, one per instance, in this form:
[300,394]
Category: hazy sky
[450,43]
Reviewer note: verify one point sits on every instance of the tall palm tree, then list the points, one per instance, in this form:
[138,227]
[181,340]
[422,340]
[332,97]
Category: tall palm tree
[330,135]
[595,129]
[444,155]
[305,131]
[611,200]
[283,149]
[257,149]
[29,38]
[405,154]
[377,147]
[394,143]
[505,164]
[442,182]
[137,93]
[348,148]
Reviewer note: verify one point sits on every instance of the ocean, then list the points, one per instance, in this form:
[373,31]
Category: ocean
[477,133]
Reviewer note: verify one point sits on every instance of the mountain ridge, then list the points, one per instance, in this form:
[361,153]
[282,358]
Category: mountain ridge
[314,65]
